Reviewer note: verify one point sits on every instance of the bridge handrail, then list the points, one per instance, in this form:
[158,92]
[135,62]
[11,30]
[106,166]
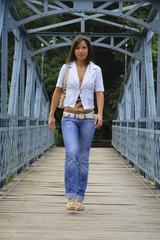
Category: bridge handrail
[22,141]
[138,140]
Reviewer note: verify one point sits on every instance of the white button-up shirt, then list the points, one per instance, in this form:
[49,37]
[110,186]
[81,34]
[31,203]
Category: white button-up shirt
[92,82]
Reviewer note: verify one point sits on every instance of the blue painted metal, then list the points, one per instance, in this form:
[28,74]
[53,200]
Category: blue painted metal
[13,99]
[23,139]
[138,141]
[114,37]
[87,7]
[2,11]
[158,74]
[136,130]
[4,67]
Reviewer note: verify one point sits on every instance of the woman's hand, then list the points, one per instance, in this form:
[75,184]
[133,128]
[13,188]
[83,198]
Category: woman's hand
[54,104]
[52,123]
[98,121]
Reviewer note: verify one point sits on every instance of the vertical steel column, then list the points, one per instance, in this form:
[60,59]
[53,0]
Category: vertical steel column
[47,109]
[38,101]
[4,61]
[82,24]
[2,11]
[132,93]
[136,89]
[151,105]
[28,90]
[33,93]
[14,91]
[158,72]
[22,79]
[143,84]
[125,101]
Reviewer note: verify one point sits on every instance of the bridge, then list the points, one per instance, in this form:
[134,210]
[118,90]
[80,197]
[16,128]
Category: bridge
[25,139]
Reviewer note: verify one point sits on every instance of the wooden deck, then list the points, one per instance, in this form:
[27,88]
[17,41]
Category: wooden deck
[119,204]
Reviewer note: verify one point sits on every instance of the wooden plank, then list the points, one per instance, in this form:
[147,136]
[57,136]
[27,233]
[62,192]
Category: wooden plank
[119,203]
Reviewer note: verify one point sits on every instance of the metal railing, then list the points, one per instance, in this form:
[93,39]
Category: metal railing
[22,141]
[139,142]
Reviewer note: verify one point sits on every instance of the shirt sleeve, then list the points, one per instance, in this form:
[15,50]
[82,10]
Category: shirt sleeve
[99,87]
[61,76]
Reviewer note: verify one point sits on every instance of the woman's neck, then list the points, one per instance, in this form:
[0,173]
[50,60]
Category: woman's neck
[80,63]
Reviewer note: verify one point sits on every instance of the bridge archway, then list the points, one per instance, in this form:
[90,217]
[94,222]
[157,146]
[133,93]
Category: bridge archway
[28,96]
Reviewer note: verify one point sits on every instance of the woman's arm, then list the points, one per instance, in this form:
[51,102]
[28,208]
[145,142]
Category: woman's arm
[100,104]
[54,104]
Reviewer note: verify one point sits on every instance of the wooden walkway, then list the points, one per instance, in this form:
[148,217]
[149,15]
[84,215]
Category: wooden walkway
[119,204]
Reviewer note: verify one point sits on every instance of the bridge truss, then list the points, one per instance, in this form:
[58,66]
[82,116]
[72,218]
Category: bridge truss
[25,107]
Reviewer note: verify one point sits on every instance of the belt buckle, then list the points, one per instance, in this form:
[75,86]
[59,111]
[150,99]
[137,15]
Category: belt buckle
[81,116]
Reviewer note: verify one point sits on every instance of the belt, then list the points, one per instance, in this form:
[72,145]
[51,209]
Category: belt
[79,115]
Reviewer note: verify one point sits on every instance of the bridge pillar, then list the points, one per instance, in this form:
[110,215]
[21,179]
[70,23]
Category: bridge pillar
[158,72]
[4,61]
[14,92]
[143,85]
[28,105]
[151,105]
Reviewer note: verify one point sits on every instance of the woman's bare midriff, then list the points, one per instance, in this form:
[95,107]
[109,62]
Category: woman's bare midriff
[67,109]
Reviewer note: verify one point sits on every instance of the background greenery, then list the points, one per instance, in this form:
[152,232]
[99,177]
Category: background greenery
[112,63]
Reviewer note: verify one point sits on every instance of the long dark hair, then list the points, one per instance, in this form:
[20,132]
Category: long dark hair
[75,42]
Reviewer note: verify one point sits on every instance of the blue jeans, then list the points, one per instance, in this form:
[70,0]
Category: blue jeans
[77,136]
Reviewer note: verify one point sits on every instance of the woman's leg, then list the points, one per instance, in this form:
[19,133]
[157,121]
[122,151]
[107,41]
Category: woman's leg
[86,132]
[71,142]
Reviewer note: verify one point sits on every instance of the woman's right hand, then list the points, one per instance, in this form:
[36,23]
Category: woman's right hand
[52,123]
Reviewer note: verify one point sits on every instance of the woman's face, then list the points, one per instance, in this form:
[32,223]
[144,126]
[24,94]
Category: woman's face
[81,51]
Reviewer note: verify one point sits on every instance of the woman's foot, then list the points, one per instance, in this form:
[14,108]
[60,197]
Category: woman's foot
[71,204]
[79,206]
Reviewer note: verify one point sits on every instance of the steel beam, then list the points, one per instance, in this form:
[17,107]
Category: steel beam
[81,7]
[38,98]
[143,87]
[150,80]
[4,66]
[119,46]
[29,85]
[158,78]
[2,13]
[14,91]
[22,87]
[132,110]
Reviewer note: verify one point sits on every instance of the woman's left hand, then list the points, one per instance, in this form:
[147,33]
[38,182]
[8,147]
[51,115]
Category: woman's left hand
[98,121]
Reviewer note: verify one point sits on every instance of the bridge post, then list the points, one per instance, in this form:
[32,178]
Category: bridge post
[22,80]
[158,70]
[38,103]
[4,58]
[2,14]
[143,83]
[151,107]
[132,114]
[14,91]
[29,85]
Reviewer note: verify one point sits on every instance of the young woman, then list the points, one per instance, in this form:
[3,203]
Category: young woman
[78,121]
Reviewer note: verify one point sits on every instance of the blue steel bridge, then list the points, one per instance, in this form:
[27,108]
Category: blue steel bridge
[24,110]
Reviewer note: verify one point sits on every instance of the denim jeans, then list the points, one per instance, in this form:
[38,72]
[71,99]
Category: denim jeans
[77,136]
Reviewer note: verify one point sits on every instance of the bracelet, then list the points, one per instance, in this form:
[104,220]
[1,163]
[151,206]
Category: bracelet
[51,112]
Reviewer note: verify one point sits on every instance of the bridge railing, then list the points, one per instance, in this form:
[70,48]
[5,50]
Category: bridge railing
[139,142]
[22,141]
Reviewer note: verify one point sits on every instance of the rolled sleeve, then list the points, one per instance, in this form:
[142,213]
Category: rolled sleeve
[99,87]
[61,76]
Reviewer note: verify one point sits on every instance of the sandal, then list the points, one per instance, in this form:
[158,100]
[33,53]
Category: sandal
[79,206]
[70,206]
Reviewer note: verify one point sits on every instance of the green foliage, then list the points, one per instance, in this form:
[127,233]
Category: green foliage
[111,62]
[53,61]
[58,137]
[9,179]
